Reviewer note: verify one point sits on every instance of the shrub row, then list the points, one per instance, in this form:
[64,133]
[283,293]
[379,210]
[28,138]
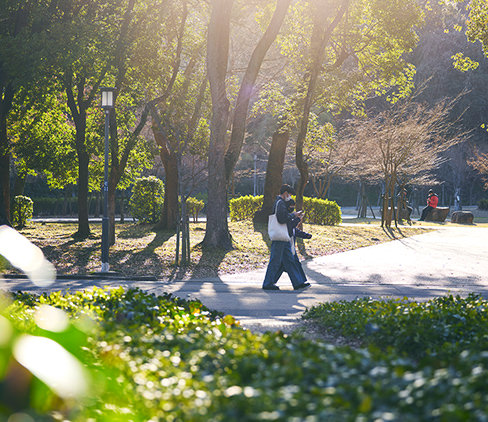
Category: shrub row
[317,211]
[483,204]
[165,359]
[244,207]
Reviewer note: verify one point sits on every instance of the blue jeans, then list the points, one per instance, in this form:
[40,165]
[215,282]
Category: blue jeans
[282,259]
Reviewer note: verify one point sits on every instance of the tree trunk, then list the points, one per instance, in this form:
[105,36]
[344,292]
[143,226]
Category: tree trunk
[83,161]
[19,185]
[83,225]
[5,107]
[122,207]
[363,203]
[217,229]
[321,34]
[247,86]
[274,174]
[169,213]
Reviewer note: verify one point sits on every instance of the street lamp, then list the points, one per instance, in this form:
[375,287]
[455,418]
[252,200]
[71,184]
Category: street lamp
[107,105]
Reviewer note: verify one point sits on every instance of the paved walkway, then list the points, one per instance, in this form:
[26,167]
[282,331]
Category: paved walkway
[450,260]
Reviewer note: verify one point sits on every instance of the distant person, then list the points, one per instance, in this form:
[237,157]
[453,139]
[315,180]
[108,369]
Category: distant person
[432,201]
[282,258]
[403,205]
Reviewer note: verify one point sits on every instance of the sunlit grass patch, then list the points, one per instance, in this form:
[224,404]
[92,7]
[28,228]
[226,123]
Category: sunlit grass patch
[140,251]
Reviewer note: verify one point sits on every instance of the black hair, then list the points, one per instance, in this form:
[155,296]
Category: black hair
[287,188]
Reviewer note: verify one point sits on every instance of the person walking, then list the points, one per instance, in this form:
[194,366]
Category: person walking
[432,201]
[294,233]
[281,253]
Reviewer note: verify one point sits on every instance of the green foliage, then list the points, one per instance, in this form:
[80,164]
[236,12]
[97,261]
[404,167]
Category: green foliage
[3,264]
[244,207]
[321,211]
[22,209]
[147,198]
[166,359]
[194,206]
[317,211]
[483,204]
[438,329]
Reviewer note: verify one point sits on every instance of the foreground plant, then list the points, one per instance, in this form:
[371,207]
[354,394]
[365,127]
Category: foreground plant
[159,358]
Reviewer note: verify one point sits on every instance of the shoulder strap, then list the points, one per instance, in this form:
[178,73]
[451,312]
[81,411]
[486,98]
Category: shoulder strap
[276,205]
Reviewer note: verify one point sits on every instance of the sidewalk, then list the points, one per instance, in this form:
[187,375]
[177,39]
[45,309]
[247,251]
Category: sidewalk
[452,260]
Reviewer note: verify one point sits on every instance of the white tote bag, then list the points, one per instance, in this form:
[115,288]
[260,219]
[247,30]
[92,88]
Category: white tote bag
[277,231]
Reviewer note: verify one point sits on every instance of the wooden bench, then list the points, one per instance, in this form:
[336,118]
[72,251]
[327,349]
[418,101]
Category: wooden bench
[438,214]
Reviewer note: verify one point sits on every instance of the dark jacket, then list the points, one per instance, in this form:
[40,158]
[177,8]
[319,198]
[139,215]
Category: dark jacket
[283,216]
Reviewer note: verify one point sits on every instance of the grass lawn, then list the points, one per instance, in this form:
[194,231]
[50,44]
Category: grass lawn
[141,251]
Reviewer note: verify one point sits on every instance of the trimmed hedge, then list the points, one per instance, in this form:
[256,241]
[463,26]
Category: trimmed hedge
[244,207]
[146,202]
[317,211]
[321,211]
[22,210]
[483,204]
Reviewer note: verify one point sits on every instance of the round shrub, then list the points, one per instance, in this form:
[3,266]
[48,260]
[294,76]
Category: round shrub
[147,199]
[22,209]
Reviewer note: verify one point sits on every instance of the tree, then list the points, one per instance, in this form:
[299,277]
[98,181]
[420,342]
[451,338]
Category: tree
[340,53]
[222,158]
[476,30]
[403,145]
[23,49]
[480,164]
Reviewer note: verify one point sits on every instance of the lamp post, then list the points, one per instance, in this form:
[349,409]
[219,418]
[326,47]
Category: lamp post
[107,105]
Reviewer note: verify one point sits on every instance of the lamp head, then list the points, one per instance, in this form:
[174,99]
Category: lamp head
[107,97]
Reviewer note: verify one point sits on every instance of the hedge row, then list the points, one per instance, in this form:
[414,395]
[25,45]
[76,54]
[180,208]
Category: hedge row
[317,211]
[483,204]
[244,207]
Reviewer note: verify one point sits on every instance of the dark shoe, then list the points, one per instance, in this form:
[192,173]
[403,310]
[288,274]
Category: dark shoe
[302,286]
[271,287]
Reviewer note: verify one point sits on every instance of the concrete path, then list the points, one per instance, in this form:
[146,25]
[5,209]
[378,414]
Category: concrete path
[450,260]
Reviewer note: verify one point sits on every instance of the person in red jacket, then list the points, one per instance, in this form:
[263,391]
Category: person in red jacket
[432,201]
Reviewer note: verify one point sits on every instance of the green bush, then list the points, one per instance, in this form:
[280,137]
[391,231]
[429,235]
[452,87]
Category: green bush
[321,211]
[146,202]
[194,206]
[165,359]
[440,328]
[317,211]
[483,204]
[21,210]
[244,207]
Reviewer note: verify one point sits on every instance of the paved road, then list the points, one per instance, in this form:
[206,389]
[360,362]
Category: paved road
[450,260]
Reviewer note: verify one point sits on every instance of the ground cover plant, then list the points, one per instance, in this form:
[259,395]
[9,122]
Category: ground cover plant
[435,332]
[140,251]
[166,359]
